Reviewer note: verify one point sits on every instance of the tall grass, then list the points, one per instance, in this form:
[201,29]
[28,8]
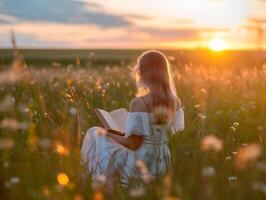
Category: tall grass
[45,113]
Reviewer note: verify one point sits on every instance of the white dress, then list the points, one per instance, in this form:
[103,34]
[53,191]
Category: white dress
[103,156]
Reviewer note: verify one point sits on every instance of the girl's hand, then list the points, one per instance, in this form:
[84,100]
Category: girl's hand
[132,142]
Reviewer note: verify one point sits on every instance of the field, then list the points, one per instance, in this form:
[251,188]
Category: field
[46,108]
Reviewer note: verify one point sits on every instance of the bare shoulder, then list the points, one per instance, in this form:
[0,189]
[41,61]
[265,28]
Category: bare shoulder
[137,105]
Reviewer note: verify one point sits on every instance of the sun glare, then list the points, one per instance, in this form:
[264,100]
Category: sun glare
[217,44]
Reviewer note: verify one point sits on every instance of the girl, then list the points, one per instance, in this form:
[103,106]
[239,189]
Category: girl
[143,152]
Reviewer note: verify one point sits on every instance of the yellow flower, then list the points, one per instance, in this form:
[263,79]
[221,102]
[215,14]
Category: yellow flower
[6,143]
[61,149]
[62,179]
[98,196]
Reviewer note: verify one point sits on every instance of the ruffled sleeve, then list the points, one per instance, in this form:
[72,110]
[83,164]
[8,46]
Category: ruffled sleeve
[179,121]
[137,123]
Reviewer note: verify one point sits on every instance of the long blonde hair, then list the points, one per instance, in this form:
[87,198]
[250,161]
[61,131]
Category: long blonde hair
[153,73]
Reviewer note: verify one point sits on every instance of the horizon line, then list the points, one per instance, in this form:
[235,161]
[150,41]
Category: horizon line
[144,48]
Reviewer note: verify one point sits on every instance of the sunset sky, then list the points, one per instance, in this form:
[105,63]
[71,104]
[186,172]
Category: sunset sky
[133,23]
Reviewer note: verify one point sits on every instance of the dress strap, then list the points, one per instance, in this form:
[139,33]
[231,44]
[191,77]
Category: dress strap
[146,103]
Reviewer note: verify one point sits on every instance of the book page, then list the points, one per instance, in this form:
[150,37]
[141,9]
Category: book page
[119,116]
[108,119]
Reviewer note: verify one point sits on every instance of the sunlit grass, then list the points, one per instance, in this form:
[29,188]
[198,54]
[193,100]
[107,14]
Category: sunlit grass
[46,112]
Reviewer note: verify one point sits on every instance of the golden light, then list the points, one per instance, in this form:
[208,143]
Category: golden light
[60,149]
[217,44]
[98,196]
[62,179]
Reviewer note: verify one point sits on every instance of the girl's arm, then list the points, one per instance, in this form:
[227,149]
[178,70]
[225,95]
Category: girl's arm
[132,142]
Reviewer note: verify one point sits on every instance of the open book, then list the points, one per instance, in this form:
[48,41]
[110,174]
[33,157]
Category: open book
[115,120]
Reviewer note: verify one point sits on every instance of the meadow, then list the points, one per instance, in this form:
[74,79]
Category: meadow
[46,108]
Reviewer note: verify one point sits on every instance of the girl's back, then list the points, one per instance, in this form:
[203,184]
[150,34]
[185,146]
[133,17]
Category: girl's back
[143,152]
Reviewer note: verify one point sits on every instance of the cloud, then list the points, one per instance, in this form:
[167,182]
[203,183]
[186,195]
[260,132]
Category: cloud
[185,21]
[46,34]
[141,17]
[67,11]
[257,20]
[172,33]
[189,33]
[7,19]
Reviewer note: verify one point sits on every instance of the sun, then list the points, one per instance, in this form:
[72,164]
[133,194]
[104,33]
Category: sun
[217,44]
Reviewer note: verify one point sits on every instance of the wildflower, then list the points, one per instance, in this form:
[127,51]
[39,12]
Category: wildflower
[46,191]
[78,197]
[137,193]
[261,166]
[170,198]
[13,124]
[171,58]
[56,64]
[14,180]
[236,124]
[62,179]
[7,103]
[233,128]
[211,142]
[197,106]
[203,91]
[7,184]
[11,76]
[259,186]
[45,143]
[6,164]
[6,143]
[73,111]
[228,158]
[98,196]
[208,171]
[201,116]
[232,178]
[91,55]
[247,154]
[10,123]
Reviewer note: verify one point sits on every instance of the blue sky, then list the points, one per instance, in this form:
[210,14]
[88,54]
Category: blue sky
[131,24]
